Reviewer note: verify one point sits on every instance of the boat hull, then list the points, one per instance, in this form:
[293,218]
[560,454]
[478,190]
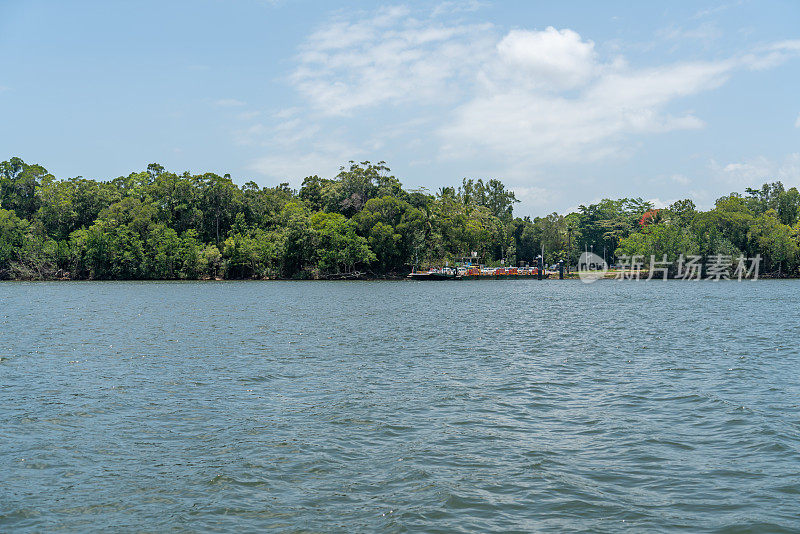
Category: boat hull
[432,276]
[442,276]
[504,276]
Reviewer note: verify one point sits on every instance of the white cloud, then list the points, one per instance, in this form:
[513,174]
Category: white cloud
[387,58]
[769,56]
[797,122]
[511,101]
[533,198]
[660,204]
[558,58]
[607,106]
[714,10]
[743,174]
[248,115]
[297,146]
[503,94]
[706,33]
[542,127]
[250,135]
[229,103]
[755,171]
[324,160]
[452,7]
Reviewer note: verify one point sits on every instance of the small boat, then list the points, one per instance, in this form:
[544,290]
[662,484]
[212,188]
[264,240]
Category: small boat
[435,274]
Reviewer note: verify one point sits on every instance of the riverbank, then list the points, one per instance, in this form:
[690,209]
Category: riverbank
[5,276]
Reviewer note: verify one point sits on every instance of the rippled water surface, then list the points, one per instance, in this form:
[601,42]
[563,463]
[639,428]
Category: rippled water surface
[400,406]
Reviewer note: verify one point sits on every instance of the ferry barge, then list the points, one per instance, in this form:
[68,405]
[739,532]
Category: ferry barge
[477,273]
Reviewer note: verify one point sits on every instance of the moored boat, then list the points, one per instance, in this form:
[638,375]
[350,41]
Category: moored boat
[435,274]
[472,272]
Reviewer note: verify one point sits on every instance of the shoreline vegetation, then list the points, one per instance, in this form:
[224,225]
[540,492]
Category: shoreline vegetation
[360,224]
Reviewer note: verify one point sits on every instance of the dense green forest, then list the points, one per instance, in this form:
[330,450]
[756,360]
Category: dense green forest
[158,224]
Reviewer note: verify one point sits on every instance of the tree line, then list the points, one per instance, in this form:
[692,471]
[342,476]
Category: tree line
[158,224]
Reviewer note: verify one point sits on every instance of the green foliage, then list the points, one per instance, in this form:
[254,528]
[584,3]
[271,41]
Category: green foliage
[777,241]
[681,212]
[355,185]
[250,252]
[18,184]
[773,196]
[337,246]
[658,240]
[157,224]
[491,195]
[606,224]
[12,238]
[394,229]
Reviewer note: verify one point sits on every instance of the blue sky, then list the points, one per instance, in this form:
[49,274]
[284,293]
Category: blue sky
[566,102]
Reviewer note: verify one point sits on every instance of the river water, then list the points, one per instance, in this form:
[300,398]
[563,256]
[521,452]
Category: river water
[489,406]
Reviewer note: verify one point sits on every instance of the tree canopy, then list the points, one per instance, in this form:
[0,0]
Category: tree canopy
[157,224]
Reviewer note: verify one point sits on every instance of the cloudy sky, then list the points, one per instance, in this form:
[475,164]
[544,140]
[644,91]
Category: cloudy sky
[566,102]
